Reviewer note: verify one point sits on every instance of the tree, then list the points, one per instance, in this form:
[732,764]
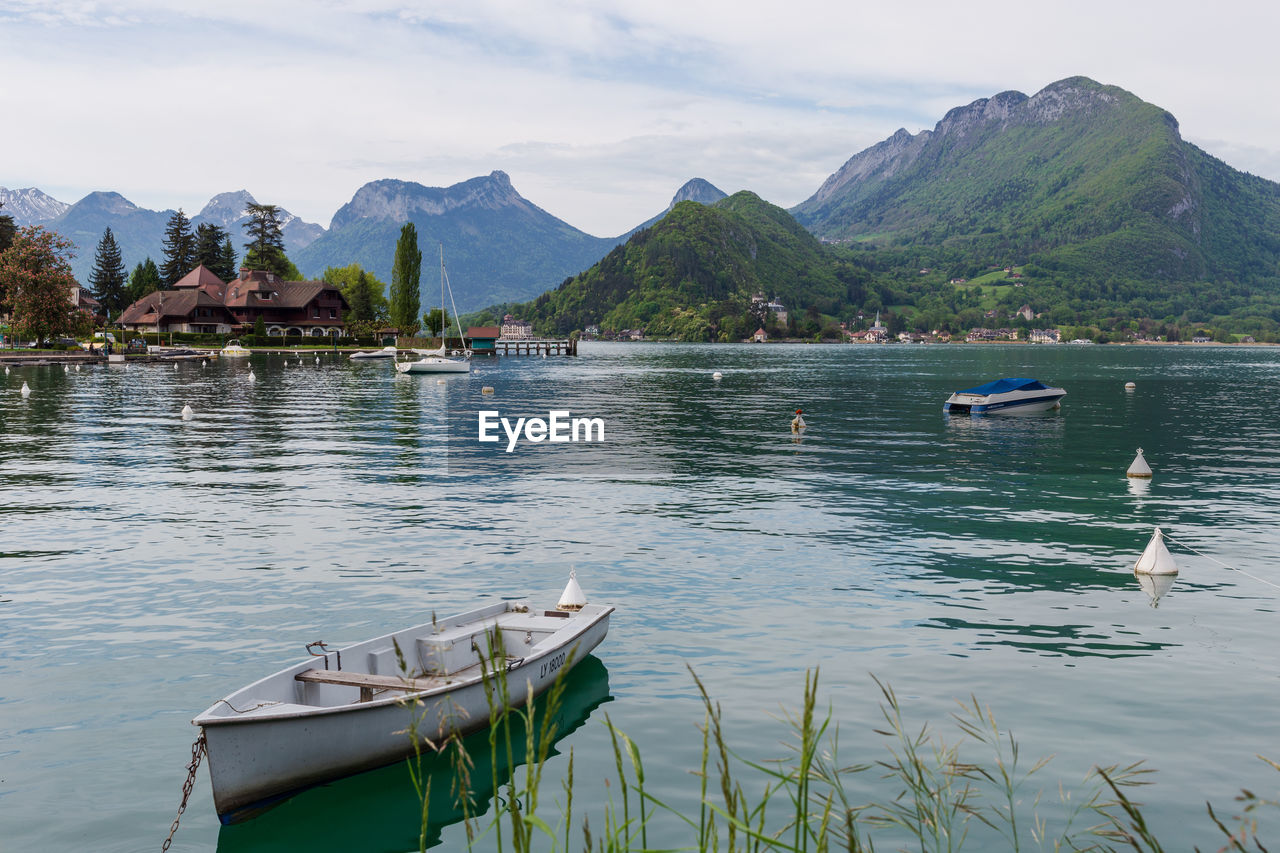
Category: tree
[108,276]
[360,301]
[7,230]
[406,301]
[265,249]
[179,249]
[209,240]
[346,278]
[35,274]
[435,320]
[144,279]
[228,263]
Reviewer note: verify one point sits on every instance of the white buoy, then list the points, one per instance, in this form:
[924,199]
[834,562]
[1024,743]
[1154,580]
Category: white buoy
[572,598]
[204,363]
[317,360]
[488,389]
[797,423]
[1139,466]
[66,368]
[717,376]
[440,382]
[6,370]
[187,412]
[251,376]
[1129,386]
[77,368]
[175,365]
[26,392]
[1155,559]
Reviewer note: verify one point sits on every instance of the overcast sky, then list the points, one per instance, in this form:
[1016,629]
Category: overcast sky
[598,110]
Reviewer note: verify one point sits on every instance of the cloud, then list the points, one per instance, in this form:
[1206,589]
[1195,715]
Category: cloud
[598,110]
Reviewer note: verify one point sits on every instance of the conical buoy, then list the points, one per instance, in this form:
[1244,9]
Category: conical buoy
[251,376]
[1155,559]
[317,359]
[77,368]
[26,392]
[66,368]
[1129,386]
[572,597]
[175,365]
[797,423]
[488,389]
[1139,467]
[717,376]
[440,382]
[187,412]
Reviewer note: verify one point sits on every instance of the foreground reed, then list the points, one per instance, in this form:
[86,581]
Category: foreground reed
[941,797]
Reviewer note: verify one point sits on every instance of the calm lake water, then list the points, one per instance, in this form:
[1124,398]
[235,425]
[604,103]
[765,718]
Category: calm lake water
[149,565]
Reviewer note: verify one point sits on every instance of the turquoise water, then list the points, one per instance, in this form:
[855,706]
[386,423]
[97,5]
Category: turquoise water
[149,565]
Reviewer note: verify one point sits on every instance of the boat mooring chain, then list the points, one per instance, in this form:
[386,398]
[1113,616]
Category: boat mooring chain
[1220,563]
[197,751]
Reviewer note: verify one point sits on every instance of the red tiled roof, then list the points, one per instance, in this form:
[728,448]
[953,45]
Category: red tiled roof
[483,332]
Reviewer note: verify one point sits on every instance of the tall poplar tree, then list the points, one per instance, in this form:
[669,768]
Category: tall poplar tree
[406,301]
[8,229]
[108,276]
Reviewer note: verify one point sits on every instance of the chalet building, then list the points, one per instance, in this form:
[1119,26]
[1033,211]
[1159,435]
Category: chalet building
[516,330]
[202,302]
[760,336]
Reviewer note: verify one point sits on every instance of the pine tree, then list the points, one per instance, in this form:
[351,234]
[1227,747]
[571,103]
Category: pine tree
[265,249]
[360,300]
[406,301]
[209,239]
[179,249]
[144,279]
[108,276]
[228,263]
[8,230]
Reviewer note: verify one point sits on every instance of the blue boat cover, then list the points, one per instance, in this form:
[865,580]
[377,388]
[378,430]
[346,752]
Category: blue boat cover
[1000,386]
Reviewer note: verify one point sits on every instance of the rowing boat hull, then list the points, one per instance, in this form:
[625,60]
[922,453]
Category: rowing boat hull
[258,756]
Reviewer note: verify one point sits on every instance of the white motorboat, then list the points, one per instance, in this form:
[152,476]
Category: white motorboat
[342,711]
[1005,397]
[234,350]
[385,352]
[439,360]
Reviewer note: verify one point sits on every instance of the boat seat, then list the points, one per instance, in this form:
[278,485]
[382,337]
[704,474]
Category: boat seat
[366,682]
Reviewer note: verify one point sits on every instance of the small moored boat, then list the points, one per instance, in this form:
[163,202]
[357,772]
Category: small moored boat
[343,711]
[233,350]
[1005,397]
[385,352]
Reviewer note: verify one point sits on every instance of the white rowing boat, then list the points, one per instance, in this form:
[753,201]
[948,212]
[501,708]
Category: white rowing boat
[346,710]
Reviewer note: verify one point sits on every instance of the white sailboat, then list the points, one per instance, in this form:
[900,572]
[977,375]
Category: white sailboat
[439,360]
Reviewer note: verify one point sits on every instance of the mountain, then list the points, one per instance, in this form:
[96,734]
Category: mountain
[692,276]
[30,206]
[227,210]
[696,189]
[498,245]
[1086,182]
[138,232]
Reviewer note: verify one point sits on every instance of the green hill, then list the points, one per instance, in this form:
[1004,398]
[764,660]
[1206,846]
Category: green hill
[693,274]
[1090,186]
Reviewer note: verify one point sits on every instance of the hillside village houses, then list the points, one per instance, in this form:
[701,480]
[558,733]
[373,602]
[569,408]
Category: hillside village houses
[203,303]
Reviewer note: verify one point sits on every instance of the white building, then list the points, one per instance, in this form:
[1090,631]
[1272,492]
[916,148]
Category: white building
[516,330]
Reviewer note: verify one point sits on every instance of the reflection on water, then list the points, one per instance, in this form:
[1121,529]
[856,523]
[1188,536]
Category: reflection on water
[164,562]
[1155,586]
[380,810]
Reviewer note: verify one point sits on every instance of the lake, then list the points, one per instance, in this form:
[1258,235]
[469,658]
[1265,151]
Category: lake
[150,565]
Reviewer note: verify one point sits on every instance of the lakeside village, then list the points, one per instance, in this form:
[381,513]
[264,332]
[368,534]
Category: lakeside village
[201,309]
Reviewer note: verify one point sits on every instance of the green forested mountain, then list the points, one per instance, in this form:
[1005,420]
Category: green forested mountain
[1090,186]
[692,275]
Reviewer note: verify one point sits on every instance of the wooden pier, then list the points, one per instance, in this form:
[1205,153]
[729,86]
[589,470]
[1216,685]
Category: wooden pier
[536,346]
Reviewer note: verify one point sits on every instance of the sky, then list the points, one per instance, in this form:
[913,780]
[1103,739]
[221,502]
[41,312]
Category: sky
[599,110]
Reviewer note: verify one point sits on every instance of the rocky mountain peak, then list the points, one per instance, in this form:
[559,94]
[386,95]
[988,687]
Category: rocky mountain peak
[699,190]
[30,206]
[226,209]
[400,201]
